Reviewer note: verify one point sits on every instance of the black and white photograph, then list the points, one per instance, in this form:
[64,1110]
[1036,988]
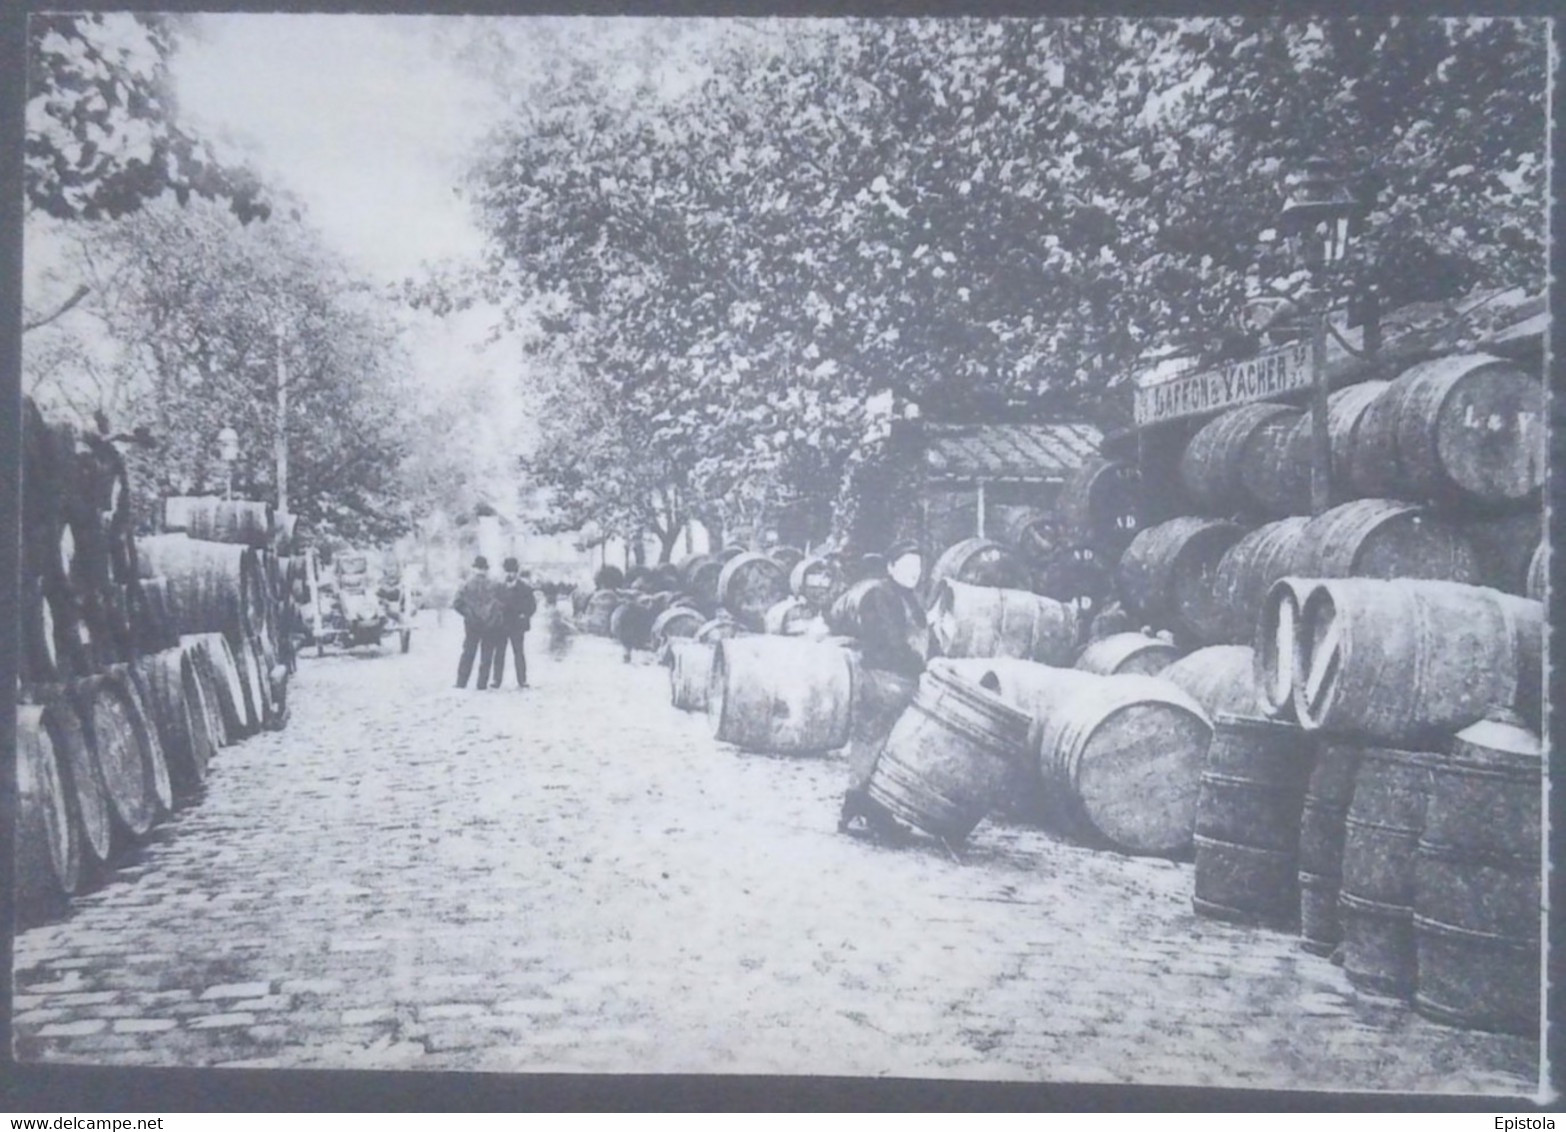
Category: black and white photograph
[945,548]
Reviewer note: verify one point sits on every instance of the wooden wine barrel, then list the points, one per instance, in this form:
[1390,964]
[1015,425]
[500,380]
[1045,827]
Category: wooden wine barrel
[1119,758]
[720,628]
[730,552]
[1504,547]
[790,617]
[1166,574]
[1372,471]
[1382,538]
[1077,577]
[1036,535]
[880,698]
[1466,427]
[212,587]
[171,688]
[1322,817]
[952,755]
[780,694]
[1272,483]
[687,566]
[1288,486]
[1248,820]
[886,621]
[1222,678]
[1278,654]
[157,760]
[213,654]
[252,695]
[749,585]
[690,673]
[980,562]
[242,521]
[1477,891]
[983,621]
[1109,620]
[1248,570]
[787,557]
[1125,653]
[87,802]
[1100,506]
[1403,662]
[48,849]
[40,663]
[1380,837]
[1211,467]
[117,734]
[676,621]
[818,580]
[1538,572]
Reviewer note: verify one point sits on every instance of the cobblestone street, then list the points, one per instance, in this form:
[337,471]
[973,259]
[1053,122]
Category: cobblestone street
[576,877]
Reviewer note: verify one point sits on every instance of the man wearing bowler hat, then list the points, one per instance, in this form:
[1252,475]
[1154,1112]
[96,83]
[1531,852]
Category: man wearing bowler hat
[478,601]
[517,606]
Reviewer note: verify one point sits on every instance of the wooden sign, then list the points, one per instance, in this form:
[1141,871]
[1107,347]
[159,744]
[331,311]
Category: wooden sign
[1267,375]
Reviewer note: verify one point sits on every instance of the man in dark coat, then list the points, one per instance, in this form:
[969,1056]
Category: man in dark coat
[517,606]
[478,601]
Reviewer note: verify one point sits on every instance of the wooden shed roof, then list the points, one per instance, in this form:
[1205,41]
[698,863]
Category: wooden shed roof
[1029,452]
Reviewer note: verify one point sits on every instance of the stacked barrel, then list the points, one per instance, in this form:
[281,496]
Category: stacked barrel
[130,680]
[1384,629]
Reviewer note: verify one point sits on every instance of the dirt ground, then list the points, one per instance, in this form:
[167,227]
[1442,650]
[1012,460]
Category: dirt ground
[576,877]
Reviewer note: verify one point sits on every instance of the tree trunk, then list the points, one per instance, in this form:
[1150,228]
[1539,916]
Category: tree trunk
[666,541]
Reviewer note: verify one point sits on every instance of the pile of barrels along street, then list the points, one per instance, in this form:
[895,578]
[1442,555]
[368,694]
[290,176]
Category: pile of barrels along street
[1374,675]
[140,657]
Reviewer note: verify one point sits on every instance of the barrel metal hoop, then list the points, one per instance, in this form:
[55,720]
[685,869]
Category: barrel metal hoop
[1447,852]
[1375,907]
[1528,945]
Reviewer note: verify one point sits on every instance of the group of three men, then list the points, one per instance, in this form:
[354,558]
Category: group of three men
[494,614]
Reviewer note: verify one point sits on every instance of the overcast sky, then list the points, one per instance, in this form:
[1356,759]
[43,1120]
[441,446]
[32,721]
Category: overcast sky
[355,114]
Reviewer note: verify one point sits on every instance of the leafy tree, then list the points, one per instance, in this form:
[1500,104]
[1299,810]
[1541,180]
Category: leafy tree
[981,216]
[102,130]
[194,308]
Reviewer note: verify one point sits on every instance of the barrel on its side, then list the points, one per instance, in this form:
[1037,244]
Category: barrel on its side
[1383,538]
[1127,653]
[117,735]
[214,657]
[1322,817]
[676,621]
[1380,837]
[749,585]
[980,562]
[1345,409]
[952,755]
[983,621]
[690,673]
[1278,648]
[1248,570]
[1166,574]
[1466,428]
[780,694]
[86,799]
[1221,678]
[1248,820]
[1408,662]
[48,851]
[1211,467]
[1477,891]
[1272,483]
[1100,506]
[1119,758]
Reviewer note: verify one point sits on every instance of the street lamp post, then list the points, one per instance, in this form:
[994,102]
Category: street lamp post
[228,452]
[1316,222]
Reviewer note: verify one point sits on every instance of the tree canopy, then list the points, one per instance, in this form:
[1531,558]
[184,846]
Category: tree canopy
[103,135]
[976,215]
